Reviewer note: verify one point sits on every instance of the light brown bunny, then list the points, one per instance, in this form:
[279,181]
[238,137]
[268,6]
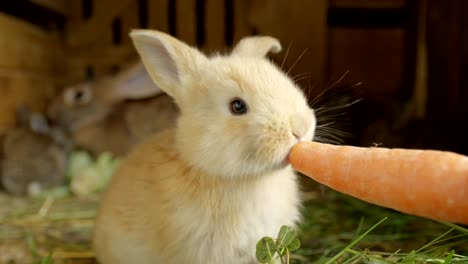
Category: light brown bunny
[113,113]
[34,155]
[206,191]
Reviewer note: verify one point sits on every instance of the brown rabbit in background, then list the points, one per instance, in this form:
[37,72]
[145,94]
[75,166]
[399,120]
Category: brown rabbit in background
[34,155]
[113,113]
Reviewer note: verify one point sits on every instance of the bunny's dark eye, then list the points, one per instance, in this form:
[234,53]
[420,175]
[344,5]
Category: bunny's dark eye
[78,96]
[238,106]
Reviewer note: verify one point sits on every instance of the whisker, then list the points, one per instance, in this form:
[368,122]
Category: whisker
[333,108]
[297,60]
[330,87]
[286,55]
[339,79]
[330,117]
[331,138]
[326,124]
[300,75]
[338,93]
[328,139]
[311,87]
[333,131]
[302,78]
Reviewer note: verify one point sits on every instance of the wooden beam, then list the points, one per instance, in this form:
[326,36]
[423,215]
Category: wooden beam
[185,21]
[367,3]
[158,15]
[242,28]
[214,24]
[59,6]
[28,47]
[303,26]
[90,31]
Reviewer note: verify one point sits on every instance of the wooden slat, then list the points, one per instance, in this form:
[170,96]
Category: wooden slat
[420,79]
[27,47]
[74,15]
[214,24]
[445,50]
[368,3]
[157,15]
[59,6]
[241,23]
[185,21]
[302,24]
[373,56]
[90,31]
[130,21]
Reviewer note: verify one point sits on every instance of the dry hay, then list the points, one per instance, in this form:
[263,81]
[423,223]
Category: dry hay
[32,229]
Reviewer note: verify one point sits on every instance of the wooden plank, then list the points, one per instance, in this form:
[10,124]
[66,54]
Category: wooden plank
[186,21]
[214,24]
[367,3]
[464,59]
[90,31]
[74,15]
[374,57]
[27,47]
[158,15]
[420,79]
[305,30]
[130,21]
[59,6]
[444,50]
[241,22]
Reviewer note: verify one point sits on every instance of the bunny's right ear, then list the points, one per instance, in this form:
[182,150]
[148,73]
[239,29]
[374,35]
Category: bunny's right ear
[257,46]
[167,60]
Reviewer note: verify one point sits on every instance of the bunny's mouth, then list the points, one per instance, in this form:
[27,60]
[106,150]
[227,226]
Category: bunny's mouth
[286,161]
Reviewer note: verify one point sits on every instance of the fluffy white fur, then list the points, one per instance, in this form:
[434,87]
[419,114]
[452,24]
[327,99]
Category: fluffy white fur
[207,191]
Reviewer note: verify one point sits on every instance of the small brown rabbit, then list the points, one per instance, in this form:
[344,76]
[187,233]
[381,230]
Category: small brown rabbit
[35,155]
[206,191]
[113,113]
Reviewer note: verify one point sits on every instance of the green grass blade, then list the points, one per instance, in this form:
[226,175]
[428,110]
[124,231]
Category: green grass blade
[456,227]
[352,244]
[448,260]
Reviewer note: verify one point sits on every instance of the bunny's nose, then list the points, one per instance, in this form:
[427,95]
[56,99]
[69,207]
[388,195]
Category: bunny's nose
[297,136]
[299,127]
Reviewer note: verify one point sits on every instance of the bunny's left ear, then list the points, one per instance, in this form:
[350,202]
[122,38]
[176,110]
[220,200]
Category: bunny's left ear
[134,83]
[258,46]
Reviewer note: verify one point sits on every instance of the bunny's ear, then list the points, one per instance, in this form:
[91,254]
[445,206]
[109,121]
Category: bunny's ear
[134,83]
[167,60]
[258,46]
[36,122]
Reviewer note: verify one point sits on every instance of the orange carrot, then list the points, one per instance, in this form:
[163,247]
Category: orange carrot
[426,183]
